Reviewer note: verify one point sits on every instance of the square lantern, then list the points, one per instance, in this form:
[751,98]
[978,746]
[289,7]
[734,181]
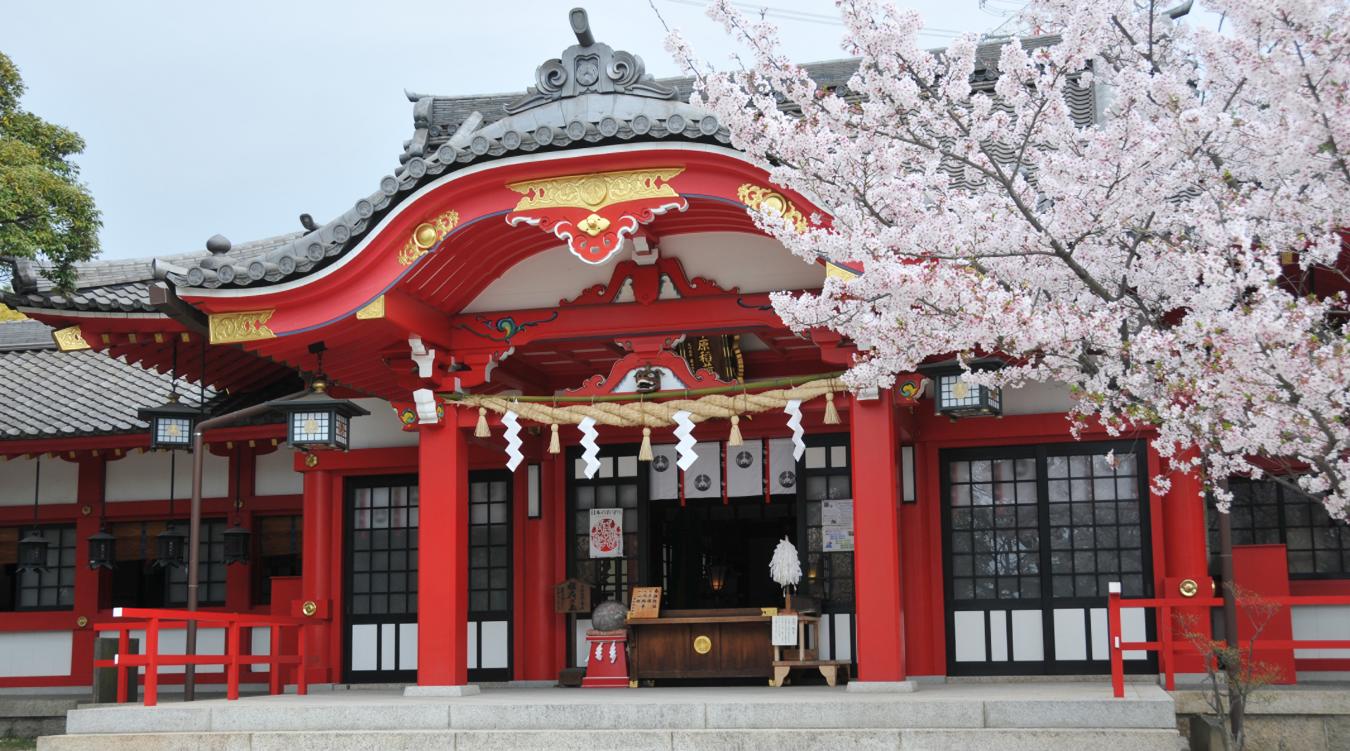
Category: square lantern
[171,424]
[171,548]
[956,397]
[33,552]
[317,421]
[102,550]
[237,545]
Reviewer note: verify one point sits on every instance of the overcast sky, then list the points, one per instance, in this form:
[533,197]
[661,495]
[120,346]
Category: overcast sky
[236,117]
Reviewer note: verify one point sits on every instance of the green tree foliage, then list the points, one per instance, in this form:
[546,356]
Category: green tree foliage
[45,211]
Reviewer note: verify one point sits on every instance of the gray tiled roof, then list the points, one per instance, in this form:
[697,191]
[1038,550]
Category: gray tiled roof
[51,394]
[591,94]
[117,284]
[25,334]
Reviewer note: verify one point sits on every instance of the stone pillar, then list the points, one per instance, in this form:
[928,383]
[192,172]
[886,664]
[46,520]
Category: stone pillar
[876,555]
[443,563]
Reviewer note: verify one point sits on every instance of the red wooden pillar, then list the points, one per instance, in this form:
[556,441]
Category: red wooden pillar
[537,657]
[239,578]
[1183,543]
[876,531]
[443,559]
[317,571]
[88,582]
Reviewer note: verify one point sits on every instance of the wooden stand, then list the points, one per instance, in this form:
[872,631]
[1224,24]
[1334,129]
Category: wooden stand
[829,669]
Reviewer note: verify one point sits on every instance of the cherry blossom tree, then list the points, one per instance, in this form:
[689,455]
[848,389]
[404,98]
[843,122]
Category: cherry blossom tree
[1176,258]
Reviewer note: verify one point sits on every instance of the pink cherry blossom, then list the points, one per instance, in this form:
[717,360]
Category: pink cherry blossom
[1151,257]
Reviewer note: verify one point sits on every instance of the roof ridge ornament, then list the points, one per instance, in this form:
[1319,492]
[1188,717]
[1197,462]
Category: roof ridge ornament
[589,67]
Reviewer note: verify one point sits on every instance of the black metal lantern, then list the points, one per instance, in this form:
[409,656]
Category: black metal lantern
[102,550]
[33,546]
[171,424]
[957,398]
[237,547]
[317,421]
[33,552]
[170,547]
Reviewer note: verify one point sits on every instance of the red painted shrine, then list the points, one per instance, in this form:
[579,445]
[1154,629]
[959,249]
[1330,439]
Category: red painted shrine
[551,280]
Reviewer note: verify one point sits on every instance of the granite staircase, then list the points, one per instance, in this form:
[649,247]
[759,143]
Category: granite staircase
[944,716]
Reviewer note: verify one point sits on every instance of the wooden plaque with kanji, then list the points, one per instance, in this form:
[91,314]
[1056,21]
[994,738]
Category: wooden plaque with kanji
[646,603]
[572,596]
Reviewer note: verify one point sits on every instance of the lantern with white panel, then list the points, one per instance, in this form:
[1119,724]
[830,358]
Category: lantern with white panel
[955,396]
[318,421]
[171,424]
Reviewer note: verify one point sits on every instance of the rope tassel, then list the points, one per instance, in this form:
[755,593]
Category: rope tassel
[481,429]
[831,412]
[645,450]
[553,447]
[734,439]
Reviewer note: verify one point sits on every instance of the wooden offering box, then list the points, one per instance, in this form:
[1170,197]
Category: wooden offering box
[702,644]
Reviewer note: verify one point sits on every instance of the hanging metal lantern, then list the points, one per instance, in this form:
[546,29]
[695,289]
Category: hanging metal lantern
[317,421]
[33,546]
[170,548]
[237,545]
[171,424]
[102,550]
[33,552]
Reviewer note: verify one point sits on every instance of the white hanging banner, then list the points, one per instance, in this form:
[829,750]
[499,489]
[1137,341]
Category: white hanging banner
[745,469]
[703,478]
[684,431]
[794,412]
[606,533]
[782,467]
[513,442]
[665,476]
[592,453]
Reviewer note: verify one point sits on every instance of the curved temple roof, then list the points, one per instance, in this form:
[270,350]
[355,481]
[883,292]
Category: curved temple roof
[590,94]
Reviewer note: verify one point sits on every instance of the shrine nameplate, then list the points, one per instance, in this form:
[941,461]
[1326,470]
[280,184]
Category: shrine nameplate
[572,596]
[646,603]
[721,354]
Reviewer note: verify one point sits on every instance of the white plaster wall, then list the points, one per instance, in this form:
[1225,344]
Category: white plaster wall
[33,653]
[60,479]
[275,473]
[1321,622]
[173,641]
[1037,399]
[145,477]
[751,262]
[381,428]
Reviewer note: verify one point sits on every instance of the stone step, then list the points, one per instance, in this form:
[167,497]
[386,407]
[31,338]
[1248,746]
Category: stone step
[801,739]
[648,709]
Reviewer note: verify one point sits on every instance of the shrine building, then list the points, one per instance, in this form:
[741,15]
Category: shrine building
[551,375]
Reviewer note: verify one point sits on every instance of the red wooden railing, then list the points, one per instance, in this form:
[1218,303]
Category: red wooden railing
[1165,646]
[154,620]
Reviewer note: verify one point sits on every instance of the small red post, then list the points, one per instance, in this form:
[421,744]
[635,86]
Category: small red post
[123,646]
[274,664]
[1169,661]
[232,659]
[1113,638]
[302,679]
[152,662]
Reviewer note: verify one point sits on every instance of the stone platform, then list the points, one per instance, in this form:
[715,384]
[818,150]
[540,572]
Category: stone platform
[1008,717]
